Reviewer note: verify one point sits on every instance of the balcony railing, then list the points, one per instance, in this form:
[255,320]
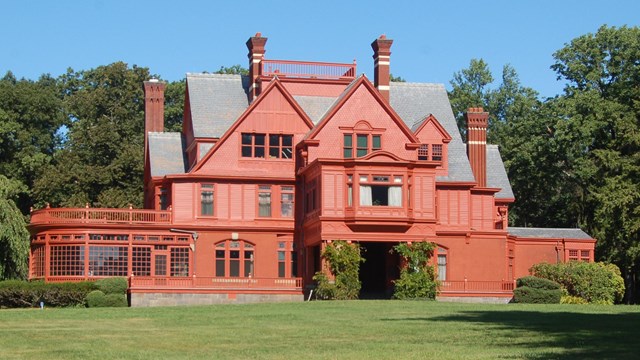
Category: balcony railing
[100,216]
[464,286]
[214,283]
[308,70]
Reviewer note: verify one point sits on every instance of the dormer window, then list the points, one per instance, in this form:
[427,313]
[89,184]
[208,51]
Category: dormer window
[431,152]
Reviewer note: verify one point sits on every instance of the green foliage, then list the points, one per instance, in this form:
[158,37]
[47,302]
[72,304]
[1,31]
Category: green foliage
[396,78]
[594,282]
[529,295]
[14,237]
[417,278]
[568,299]
[344,261]
[233,70]
[14,293]
[98,298]
[113,285]
[537,283]
[174,105]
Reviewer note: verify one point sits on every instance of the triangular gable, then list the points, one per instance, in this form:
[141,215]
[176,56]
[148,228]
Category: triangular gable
[274,85]
[344,98]
[430,119]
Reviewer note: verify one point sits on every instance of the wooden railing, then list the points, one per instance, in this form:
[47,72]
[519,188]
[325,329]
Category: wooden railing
[464,286]
[305,69]
[100,215]
[215,283]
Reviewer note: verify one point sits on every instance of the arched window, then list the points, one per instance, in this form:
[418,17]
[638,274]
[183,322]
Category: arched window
[234,258]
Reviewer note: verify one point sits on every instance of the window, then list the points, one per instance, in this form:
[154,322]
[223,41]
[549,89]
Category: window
[163,199]
[349,190]
[282,256]
[442,264]
[279,146]
[233,258]
[381,190]
[206,199]
[585,255]
[348,146]
[37,258]
[264,201]
[108,260]
[286,260]
[67,260]
[141,261]
[161,265]
[180,261]
[365,143]
[286,201]
[311,203]
[434,155]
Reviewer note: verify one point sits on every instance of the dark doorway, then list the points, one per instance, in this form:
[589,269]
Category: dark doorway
[378,270]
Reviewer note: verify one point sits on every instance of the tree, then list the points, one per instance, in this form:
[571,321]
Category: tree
[598,120]
[470,89]
[233,70]
[14,237]
[30,119]
[101,162]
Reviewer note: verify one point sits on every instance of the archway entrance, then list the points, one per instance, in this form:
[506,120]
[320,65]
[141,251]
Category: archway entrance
[378,271]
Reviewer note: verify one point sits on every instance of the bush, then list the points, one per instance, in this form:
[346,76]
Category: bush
[531,295]
[568,299]
[344,262]
[417,278]
[538,283]
[113,285]
[14,293]
[594,282]
[97,298]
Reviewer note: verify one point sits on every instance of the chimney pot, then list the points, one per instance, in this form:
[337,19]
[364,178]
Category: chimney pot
[381,60]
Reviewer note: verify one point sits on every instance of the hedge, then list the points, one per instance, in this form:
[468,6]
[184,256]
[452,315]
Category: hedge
[114,285]
[16,293]
[537,283]
[98,298]
[531,295]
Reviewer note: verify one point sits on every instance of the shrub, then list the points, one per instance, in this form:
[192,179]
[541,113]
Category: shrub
[538,283]
[594,282]
[344,262]
[417,278]
[16,293]
[97,298]
[113,285]
[568,299]
[531,295]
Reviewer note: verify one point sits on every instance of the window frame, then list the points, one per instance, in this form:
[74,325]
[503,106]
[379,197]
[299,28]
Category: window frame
[211,187]
[254,149]
[358,149]
[227,247]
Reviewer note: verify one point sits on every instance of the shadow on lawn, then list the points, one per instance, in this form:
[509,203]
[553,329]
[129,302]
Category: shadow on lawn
[581,335]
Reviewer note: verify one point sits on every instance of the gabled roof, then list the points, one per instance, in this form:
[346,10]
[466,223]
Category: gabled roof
[346,94]
[273,84]
[497,174]
[550,233]
[417,127]
[414,101]
[166,153]
[216,101]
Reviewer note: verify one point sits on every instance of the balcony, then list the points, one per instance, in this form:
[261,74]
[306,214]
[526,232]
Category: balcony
[308,70]
[99,216]
[476,288]
[213,284]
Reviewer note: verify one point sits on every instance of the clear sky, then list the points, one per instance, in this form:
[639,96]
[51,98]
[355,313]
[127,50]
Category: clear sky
[432,39]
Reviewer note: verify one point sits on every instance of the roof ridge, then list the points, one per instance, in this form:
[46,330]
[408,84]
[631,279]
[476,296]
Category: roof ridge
[418,84]
[209,75]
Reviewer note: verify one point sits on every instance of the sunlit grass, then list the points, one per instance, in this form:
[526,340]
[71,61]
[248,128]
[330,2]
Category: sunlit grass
[324,330]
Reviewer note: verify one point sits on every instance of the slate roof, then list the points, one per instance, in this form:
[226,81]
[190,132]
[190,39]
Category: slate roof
[414,101]
[314,106]
[166,153]
[216,102]
[549,233]
[497,174]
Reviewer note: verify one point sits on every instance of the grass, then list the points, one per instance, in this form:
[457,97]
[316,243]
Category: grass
[324,330]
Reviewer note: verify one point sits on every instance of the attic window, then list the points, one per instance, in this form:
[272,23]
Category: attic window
[280,146]
[431,152]
[365,143]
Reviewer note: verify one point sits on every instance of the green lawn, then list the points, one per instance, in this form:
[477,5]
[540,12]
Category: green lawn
[325,330]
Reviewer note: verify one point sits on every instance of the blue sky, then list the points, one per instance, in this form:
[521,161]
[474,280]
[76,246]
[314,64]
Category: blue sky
[432,39]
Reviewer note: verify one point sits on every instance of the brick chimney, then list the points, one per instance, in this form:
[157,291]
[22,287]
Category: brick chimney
[153,108]
[477,122]
[255,44]
[381,55]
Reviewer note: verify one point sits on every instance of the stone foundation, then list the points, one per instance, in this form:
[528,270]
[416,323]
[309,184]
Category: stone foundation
[185,299]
